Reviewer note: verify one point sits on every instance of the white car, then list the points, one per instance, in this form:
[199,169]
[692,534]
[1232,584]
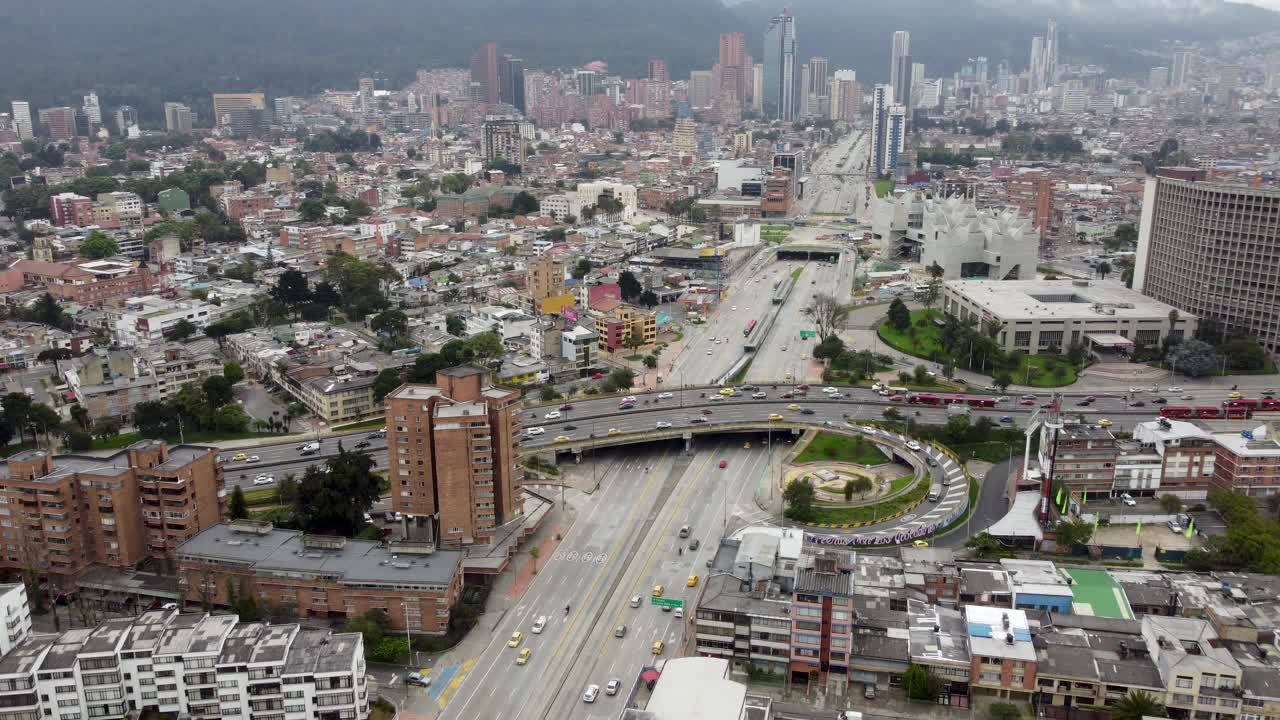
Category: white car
[612,687]
[734,308]
[868,430]
[829,390]
[1135,389]
[264,480]
[1174,388]
[539,624]
[1188,397]
[759,395]
[629,398]
[913,445]
[592,692]
[534,431]
[553,415]
[1128,500]
[709,352]
[662,424]
[251,459]
[665,396]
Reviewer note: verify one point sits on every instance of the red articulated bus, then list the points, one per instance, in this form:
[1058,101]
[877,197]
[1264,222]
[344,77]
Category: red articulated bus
[954,400]
[1249,403]
[747,330]
[924,399]
[1269,405]
[1237,412]
[1208,412]
[982,402]
[1176,412]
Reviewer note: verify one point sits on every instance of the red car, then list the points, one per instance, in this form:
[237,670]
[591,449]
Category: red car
[1091,398]
[724,464]
[802,387]
[598,376]
[1027,402]
[895,398]
[566,406]
[787,396]
[706,411]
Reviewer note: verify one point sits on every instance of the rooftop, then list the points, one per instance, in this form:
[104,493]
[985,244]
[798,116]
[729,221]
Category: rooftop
[1060,300]
[999,632]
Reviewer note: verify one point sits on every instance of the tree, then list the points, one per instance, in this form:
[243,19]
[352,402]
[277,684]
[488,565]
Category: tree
[830,348]
[1103,269]
[1193,358]
[1171,503]
[232,371]
[533,555]
[798,496]
[651,361]
[932,293]
[182,330]
[828,313]
[524,204]
[291,289]
[387,380]
[217,391]
[1004,711]
[106,428]
[985,546]
[581,269]
[455,325]
[455,183]
[17,412]
[648,298]
[1245,354]
[47,311]
[97,246]
[334,499]
[935,270]
[1072,533]
[633,340]
[390,323]
[1126,234]
[899,316]
[311,210]
[548,392]
[238,507]
[1137,705]
[848,489]
[619,379]
[1003,380]
[920,684]
[55,354]
[629,286]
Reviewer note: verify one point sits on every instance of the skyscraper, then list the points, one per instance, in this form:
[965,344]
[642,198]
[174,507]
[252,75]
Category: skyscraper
[700,89]
[92,110]
[365,88]
[881,99]
[780,68]
[239,112]
[900,64]
[803,88]
[734,65]
[586,82]
[126,117]
[484,70]
[59,122]
[658,71]
[1181,70]
[757,88]
[846,96]
[22,120]
[1051,54]
[500,137]
[177,117]
[895,138]
[1036,65]
[511,82]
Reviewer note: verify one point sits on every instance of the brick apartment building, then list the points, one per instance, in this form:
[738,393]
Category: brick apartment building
[322,576]
[822,613]
[87,283]
[1085,459]
[452,456]
[1032,193]
[69,512]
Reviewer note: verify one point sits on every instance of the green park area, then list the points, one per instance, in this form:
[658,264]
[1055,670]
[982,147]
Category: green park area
[924,337]
[774,233]
[841,448]
[884,188]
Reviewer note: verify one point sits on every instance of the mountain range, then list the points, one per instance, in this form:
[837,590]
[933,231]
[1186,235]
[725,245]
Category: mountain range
[143,52]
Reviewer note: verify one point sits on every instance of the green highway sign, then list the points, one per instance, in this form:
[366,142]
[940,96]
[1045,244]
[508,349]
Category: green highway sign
[668,602]
[806,334]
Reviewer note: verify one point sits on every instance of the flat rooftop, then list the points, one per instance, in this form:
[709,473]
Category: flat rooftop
[1060,300]
[350,561]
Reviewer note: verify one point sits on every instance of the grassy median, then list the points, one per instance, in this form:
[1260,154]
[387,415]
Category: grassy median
[841,448]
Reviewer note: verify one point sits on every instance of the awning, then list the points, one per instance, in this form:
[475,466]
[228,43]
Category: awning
[1109,340]
[649,675]
[1020,521]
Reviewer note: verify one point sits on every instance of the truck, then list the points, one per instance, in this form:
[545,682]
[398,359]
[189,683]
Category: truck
[935,492]
[953,410]
[309,448]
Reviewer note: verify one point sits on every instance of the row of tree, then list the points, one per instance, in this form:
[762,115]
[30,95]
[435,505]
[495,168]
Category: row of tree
[483,348]
[208,406]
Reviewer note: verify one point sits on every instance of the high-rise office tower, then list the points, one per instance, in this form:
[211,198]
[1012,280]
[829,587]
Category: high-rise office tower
[757,88]
[818,76]
[684,138]
[364,93]
[780,68]
[658,71]
[700,89]
[587,81]
[239,112]
[881,99]
[92,110]
[734,65]
[803,90]
[500,137]
[846,96]
[902,87]
[22,120]
[59,122]
[980,70]
[452,456]
[1036,65]
[484,70]
[1051,54]
[511,81]
[895,142]
[126,117]
[1181,70]
[177,117]
[900,49]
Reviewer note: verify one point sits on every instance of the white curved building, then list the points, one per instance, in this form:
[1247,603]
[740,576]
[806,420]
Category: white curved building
[966,241]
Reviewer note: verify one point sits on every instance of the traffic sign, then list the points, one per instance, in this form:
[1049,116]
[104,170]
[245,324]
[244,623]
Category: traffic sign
[668,602]
[806,334]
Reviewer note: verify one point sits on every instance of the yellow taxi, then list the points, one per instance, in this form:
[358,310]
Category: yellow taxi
[920,543]
[516,638]
[523,657]
[563,438]
[658,647]
[657,590]
[727,391]
[615,431]
[775,416]
[239,457]
[1235,395]
[1104,422]
[693,581]
[793,407]
[789,376]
